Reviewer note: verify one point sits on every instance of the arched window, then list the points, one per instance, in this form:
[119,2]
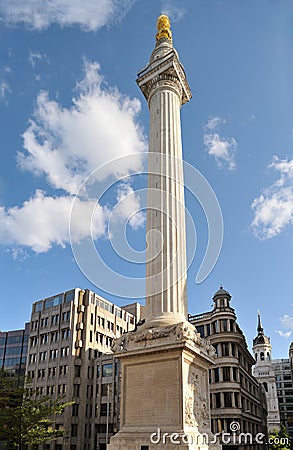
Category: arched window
[262,356]
[255,356]
[265,385]
[268,356]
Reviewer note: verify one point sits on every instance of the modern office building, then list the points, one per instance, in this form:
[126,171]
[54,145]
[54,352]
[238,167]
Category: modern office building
[264,373]
[13,350]
[283,375]
[235,394]
[291,357]
[69,356]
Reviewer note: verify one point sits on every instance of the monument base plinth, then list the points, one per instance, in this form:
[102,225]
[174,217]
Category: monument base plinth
[165,395]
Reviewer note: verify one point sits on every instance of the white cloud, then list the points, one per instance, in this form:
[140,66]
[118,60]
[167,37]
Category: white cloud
[287,323]
[88,14]
[222,149]
[214,122]
[4,89]
[128,207]
[66,145]
[34,57]
[273,209]
[43,221]
[285,168]
[172,10]
[284,334]
[4,85]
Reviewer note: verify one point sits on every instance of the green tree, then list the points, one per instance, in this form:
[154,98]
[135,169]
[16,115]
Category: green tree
[279,440]
[25,420]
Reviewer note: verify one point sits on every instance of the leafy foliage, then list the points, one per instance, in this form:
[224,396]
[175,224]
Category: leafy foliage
[25,420]
[279,440]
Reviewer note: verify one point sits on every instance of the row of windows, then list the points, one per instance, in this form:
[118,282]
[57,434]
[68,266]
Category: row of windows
[226,349]
[99,428]
[231,349]
[52,371]
[53,354]
[246,383]
[53,337]
[54,301]
[105,369]
[218,326]
[262,356]
[285,376]
[233,400]
[102,322]
[225,373]
[111,308]
[221,425]
[47,390]
[286,400]
[104,409]
[103,339]
[286,384]
[65,317]
[287,392]
[228,374]
[106,390]
[281,368]
[10,362]
[110,325]
[13,351]
[10,340]
[286,407]
[224,400]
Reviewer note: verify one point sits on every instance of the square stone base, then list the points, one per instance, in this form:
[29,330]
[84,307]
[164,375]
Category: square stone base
[159,441]
[165,396]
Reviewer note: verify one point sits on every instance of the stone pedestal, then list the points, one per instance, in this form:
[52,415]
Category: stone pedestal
[165,395]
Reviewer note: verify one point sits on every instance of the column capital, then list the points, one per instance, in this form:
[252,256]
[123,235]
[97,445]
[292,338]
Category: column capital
[164,69]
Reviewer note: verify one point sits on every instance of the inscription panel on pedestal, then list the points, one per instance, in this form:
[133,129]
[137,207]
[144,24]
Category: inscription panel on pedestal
[153,393]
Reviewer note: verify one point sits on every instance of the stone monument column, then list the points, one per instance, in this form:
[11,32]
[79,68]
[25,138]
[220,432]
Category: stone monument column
[164,362]
[164,85]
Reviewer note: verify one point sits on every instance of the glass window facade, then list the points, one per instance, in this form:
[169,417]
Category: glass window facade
[13,350]
[107,370]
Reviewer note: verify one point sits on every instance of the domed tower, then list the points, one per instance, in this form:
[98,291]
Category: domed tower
[264,373]
[222,299]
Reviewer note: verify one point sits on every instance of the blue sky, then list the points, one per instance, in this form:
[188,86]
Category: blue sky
[69,104]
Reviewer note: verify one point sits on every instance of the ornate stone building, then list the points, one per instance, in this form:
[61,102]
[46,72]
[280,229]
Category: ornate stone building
[264,373]
[235,394]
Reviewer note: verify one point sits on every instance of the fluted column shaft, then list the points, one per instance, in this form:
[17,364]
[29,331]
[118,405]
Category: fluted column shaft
[166,272]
